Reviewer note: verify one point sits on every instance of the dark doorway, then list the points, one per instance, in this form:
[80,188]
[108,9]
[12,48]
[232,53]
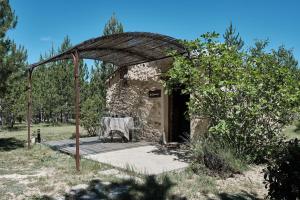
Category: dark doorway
[179,124]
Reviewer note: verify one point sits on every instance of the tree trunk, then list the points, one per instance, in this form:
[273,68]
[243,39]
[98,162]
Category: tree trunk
[61,116]
[11,121]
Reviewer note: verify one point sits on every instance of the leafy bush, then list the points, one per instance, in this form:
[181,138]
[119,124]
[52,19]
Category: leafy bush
[91,111]
[248,97]
[283,175]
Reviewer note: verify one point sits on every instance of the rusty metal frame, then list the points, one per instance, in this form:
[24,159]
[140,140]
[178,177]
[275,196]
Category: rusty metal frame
[29,108]
[77,109]
[87,46]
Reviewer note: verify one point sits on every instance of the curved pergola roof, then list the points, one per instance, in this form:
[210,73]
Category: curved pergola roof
[123,49]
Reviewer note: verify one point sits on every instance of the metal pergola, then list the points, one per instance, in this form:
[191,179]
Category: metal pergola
[122,50]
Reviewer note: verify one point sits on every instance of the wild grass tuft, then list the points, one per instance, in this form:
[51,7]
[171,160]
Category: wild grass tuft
[210,157]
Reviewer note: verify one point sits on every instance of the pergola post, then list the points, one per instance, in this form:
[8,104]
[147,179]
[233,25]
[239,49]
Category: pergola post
[77,109]
[29,107]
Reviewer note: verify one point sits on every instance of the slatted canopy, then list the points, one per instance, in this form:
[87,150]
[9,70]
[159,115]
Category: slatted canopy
[123,49]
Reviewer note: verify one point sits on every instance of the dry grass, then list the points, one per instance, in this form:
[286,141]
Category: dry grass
[40,170]
[31,174]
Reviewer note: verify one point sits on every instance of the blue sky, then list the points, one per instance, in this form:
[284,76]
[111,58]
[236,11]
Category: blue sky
[43,23]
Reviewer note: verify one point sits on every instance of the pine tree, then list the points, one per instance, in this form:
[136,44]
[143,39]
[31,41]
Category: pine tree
[12,67]
[232,38]
[13,106]
[286,57]
[64,78]
[94,105]
[8,20]
[113,26]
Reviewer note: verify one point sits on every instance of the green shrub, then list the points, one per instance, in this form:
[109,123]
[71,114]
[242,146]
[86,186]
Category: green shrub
[282,176]
[247,96]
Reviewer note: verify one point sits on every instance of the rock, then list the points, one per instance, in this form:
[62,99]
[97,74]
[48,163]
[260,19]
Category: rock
[211,196]
[57,197]
[109,172]
[89,196]
[99,187]
[124,176]
[117,191]
[106,183]
[77,189]
[80,187]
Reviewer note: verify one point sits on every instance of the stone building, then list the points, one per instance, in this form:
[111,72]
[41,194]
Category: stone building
[137,91]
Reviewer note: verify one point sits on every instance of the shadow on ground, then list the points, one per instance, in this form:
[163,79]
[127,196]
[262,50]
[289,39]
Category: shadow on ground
[150,189]
[180,152]
[17,127]
[8,144]
[244,195]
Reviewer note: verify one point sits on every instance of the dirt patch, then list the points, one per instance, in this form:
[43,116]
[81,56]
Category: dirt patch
[250,183]
[25,181]
[20,177]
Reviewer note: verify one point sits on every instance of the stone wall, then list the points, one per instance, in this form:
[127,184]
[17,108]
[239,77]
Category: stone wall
[129,96]
[199,126]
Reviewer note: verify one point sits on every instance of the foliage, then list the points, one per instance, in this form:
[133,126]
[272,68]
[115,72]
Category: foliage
[232,39]
[8,21]
[113,26]
[53,87]
[92,110]
[282,176]
[12,66]
[248,97]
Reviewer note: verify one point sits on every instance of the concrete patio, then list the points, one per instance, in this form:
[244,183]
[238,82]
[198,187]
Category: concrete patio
[142,157]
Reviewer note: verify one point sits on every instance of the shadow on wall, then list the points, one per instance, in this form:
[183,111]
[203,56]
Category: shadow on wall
[9,144]
[151,189]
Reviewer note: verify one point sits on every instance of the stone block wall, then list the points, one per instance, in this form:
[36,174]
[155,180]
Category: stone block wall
[199,126]
[129,96]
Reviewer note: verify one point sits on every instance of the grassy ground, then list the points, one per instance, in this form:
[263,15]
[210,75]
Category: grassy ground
[41,173]
[48,132]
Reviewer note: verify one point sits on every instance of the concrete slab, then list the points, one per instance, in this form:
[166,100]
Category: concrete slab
[145,160]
